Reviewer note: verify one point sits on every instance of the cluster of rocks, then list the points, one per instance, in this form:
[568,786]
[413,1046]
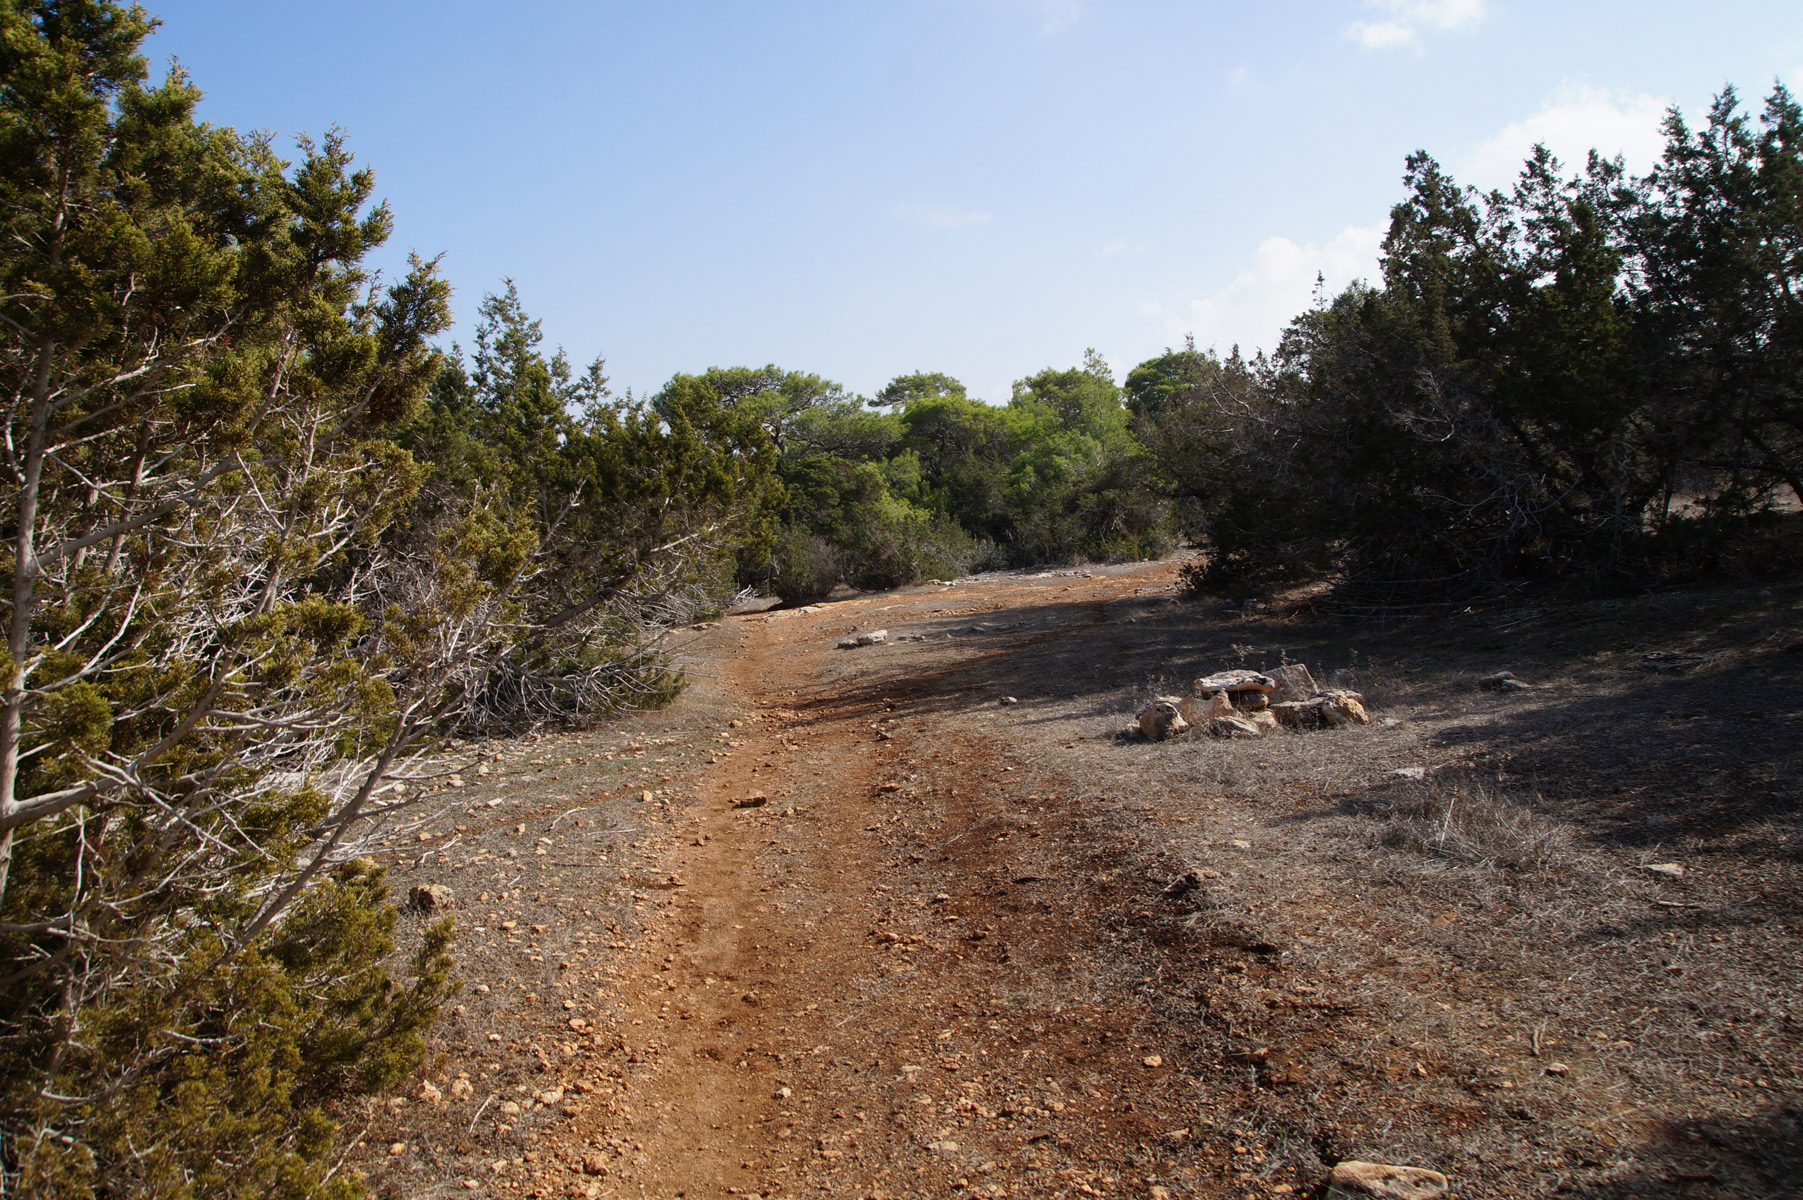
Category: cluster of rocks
[1242,704]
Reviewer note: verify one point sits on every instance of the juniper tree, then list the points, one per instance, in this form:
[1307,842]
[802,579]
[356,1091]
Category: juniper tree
[239,609]
[202,689]
[627,513]
[1591,377]
[1715,244]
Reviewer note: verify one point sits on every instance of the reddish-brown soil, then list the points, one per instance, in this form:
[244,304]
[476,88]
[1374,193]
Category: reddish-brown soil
[953,950]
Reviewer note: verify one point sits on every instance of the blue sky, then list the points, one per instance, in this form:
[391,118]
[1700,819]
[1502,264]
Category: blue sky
[982,187]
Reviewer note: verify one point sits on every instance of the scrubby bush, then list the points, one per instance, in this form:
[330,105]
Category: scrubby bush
[804,566]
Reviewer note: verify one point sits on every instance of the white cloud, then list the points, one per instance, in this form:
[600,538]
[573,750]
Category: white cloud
[1400,22]
[1119,245]
[940,216]
[1571,122]
[1381,35]
[1252,311]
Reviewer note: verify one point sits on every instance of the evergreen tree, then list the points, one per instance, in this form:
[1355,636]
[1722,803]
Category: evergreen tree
[198,699]
[266,547]
[1589,378]
[1716,240]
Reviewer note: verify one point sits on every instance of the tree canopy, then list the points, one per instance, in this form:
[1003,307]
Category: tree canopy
[1589,378]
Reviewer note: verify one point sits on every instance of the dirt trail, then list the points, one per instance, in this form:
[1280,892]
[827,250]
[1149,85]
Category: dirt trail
[973,943]
[719,978]
[836,996]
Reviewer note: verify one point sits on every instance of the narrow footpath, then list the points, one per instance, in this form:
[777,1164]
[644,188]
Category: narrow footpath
[883,970]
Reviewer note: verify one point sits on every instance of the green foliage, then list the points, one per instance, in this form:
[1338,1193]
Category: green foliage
[1080,483]
[1083,401]
[1592,379]
[804,567]
[218,650]
[904,390]
[265,545]
[940,484]
[1715,238]
[846,521]
[603,521]
[241,1057]
[963,448]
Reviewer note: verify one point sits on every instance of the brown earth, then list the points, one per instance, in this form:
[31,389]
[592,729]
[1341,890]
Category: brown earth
[971,946]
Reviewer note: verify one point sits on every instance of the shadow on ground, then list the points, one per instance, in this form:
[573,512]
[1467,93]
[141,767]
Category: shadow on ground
[1713,1156]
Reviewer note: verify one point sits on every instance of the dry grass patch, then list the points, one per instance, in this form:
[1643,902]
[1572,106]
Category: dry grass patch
[1465,821]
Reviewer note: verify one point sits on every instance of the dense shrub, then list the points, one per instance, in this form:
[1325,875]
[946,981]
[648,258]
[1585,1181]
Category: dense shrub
[265,547]
[1592,380]
[939,484]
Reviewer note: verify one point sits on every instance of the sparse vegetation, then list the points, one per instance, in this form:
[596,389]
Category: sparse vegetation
[1468,822]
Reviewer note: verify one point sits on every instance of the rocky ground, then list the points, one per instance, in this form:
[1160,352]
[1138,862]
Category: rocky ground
[914,919]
